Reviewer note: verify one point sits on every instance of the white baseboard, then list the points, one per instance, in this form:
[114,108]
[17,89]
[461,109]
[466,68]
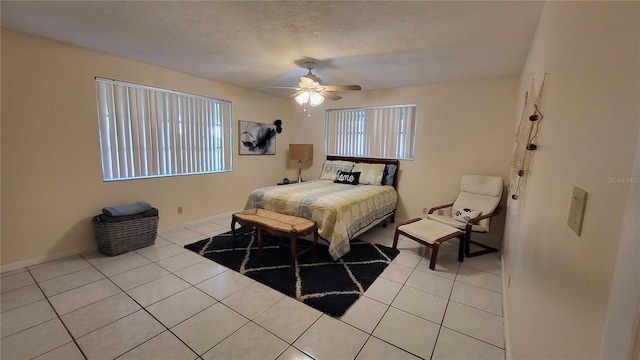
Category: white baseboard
[507,341]
[42,259]
[67,253]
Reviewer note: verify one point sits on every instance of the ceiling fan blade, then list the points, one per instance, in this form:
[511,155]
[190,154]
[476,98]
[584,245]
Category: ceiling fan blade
[331,96]
[281,87]
[294,94]
[341,87]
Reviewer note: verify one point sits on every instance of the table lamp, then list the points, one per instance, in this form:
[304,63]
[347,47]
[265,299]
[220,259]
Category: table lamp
[300,152]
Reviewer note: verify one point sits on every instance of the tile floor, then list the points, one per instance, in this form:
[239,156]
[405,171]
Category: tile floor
[164,302]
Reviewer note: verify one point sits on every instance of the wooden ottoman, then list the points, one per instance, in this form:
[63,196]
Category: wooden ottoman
[430,233]
[279,225]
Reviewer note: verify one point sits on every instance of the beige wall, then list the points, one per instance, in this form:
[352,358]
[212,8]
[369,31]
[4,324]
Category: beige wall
[463,128]
[51,176]
[560,283]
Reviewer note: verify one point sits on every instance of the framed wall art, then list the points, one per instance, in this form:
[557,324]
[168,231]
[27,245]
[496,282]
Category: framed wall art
[257,138]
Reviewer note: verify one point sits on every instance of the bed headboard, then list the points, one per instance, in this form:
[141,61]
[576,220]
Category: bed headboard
[372,161]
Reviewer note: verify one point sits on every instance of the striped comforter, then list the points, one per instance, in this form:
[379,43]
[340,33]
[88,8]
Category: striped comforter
[339,210]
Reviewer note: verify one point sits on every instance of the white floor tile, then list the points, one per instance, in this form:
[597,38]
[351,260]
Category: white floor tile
[121,336]
[20,297]
[120,264]
[423,304]
[365,314]
[25,317]
[157,254]
[69,351]
[434,284]
[329,338]
[99,314]
[70,281]
[225,284]
[163,346]
[179,307]
[57,268]
[253,300]
[383,290]
[288,318]
[250,342]
[16,281]
[207,328]
[477,297]
[293,354]
[201,271]
[397,273]
[136,277]
[210,229]
[181,261]
[156,290]
[182,235]
[447,265]
[453,346]
[480,278]
[415,335]
[83,296]
[475,323]
[488,263]
[21,345]
[376,349]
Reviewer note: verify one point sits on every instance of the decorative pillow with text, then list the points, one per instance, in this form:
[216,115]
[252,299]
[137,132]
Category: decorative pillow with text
[344,177]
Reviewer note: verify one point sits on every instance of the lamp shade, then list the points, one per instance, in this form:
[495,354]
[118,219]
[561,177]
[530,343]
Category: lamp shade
[301,152]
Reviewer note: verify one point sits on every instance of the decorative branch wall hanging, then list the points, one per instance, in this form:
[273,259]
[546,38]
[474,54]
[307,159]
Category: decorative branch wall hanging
[526,141]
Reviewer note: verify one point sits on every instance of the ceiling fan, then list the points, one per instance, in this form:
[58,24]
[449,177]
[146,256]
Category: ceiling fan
[311,91]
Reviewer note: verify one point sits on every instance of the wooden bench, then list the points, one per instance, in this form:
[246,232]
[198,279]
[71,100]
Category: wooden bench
[277,225]
[431,234]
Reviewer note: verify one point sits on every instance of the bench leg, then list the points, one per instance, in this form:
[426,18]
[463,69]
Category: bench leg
[233,231]
[294,247]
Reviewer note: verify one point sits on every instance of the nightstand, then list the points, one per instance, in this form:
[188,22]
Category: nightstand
[290,182]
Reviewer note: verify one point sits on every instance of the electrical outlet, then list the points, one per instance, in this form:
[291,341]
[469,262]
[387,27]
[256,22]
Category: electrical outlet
[179,209]
[440,212]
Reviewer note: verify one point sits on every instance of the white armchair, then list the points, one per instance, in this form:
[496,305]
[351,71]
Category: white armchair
[476,204]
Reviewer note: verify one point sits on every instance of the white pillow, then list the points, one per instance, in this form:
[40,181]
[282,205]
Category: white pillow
[371,174]
[464,214]
[330,168]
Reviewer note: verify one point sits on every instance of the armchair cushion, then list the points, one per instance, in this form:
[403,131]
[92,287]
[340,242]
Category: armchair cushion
[466,214]
[448,220]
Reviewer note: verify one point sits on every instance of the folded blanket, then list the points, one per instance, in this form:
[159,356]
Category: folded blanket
[103,218]
[129,209]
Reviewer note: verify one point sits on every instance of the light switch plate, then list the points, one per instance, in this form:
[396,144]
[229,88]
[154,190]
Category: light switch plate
[576,211]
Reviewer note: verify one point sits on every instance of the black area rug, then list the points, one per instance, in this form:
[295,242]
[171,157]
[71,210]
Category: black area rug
[318,281]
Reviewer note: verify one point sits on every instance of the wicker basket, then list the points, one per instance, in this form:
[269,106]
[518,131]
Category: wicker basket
[115,238]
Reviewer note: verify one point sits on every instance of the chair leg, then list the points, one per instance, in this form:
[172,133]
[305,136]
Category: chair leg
[467,249]
[461,248]
[395,239]
[434,256]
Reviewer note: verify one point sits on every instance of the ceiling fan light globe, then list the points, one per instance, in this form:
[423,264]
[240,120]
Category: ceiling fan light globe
[316,99]
[303,98]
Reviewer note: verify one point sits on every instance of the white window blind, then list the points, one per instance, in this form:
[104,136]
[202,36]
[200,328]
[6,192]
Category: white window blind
[379,132]
[149,132]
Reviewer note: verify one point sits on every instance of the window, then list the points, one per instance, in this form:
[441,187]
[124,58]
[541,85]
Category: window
[380,132]
[149,132]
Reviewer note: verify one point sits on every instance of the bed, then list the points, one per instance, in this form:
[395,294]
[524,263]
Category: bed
[341,210]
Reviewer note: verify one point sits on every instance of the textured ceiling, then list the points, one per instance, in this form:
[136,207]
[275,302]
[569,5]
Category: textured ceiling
[254,44]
